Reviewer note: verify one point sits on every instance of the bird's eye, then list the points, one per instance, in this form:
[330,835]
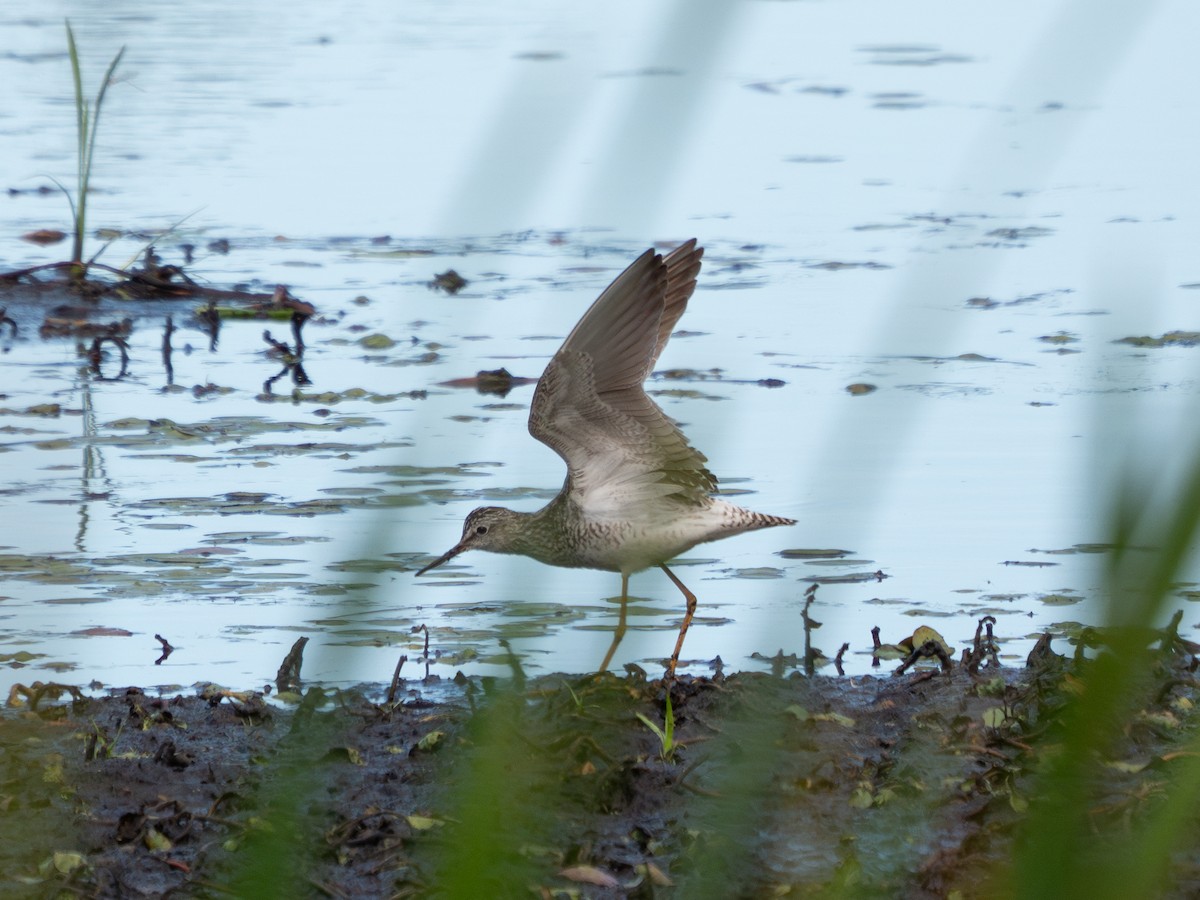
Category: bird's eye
[481,529]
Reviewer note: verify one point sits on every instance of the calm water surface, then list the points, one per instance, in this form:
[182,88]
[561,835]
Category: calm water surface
[963,211]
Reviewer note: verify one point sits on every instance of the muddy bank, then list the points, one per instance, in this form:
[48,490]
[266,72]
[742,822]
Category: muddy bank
[915,786]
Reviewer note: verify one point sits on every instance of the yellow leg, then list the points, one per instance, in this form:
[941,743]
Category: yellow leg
[619,634]
[687,620]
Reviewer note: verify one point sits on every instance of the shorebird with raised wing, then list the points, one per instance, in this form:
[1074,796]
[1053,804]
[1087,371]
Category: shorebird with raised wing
[637,494]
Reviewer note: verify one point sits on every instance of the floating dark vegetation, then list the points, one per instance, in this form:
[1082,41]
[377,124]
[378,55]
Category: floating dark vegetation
[1019,235]
[449,281]
[152,279]
[992,303]
[850,578]
[814,553]
[713,374]
[87,281]
[923,784]
[1169,339]
[834,265]
[490,381]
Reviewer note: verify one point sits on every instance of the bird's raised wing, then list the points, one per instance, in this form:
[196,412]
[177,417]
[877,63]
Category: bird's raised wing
[590,406]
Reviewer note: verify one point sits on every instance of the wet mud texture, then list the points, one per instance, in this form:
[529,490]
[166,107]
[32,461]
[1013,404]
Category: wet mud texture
[908,787]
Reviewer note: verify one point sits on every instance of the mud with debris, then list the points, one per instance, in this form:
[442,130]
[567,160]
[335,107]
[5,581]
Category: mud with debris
[911,786]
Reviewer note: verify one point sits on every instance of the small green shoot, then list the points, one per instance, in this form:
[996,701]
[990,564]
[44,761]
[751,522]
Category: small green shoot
[666,734]
[574,697]
[87,118]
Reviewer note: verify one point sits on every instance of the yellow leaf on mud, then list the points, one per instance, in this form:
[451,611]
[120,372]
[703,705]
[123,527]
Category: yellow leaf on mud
[422,823]
[836,718]
[861,798]
[994,716]
[431,740]
[798,711]
[924,633]
[67,861]
[156,840]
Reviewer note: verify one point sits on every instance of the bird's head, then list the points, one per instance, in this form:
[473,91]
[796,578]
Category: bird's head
[487,528]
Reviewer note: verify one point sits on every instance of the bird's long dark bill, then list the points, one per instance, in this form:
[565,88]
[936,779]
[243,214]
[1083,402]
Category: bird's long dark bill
[445,557]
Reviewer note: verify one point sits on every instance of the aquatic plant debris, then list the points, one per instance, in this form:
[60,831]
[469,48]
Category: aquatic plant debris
[1169,339]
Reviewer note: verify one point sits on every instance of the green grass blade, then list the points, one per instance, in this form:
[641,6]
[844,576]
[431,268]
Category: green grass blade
[87,120]
[1154,521]
[66,193]
[108,76]
[81,128]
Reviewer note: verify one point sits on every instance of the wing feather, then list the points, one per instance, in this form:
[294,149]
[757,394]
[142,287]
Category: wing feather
[590,406]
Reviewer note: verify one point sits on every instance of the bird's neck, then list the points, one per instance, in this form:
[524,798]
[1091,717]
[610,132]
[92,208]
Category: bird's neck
[541,535]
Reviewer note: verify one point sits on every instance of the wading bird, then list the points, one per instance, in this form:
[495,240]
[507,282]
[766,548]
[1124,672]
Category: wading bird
[636,494]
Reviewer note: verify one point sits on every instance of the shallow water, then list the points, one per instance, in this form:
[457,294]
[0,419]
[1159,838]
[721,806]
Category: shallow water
[964,211]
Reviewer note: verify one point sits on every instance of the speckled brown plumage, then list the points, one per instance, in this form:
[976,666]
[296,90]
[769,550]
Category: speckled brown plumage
[636,492]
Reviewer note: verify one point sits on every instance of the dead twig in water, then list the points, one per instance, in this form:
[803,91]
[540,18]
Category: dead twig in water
[395,686]
[837,660]
[810,625]
[425,653]
[983,648]
[288,676]
[292,362]
[167,649]
[96,356]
